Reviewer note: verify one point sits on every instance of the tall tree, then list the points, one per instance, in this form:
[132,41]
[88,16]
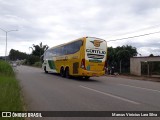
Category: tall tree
[151,55]
[119,57]
[15,54]
[111,56]
[38,50]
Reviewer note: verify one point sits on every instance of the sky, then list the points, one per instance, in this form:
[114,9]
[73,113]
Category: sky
[54,22]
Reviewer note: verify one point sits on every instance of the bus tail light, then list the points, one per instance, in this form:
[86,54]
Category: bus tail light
[83,64]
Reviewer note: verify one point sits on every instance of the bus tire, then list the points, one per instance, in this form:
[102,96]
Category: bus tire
[62,72]
[67,72]
[45,70]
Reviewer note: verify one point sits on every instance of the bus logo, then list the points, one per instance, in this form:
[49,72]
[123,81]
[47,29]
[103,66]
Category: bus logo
[96,43]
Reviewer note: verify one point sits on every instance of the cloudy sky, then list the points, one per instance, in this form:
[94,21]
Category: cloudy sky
[53,22]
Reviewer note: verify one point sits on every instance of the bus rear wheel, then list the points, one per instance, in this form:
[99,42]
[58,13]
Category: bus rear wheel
[62,72]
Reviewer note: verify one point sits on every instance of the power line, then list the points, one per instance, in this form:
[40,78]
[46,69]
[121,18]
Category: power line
[142,29]
[134,36]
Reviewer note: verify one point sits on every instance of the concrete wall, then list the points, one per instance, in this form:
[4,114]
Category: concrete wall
[135,63]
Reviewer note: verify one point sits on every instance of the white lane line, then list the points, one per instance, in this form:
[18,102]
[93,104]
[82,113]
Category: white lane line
[139,87]
[114,96]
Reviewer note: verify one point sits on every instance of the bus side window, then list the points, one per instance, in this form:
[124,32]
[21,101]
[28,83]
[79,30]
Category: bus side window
[76,46]
[56,51]
[71,48]
[53,52]
[68,49]
[65,52]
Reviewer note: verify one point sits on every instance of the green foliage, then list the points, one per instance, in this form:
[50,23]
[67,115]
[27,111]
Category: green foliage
[151,55]
[37,64]
[6,69]
[15,54]
[38,50]
[10,97]
[111,56]
[121,54]
[33,59]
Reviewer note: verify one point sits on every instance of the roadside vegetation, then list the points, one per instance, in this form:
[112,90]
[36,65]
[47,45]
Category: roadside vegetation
[10,92]
[33,59]
[120,56]
[115,56]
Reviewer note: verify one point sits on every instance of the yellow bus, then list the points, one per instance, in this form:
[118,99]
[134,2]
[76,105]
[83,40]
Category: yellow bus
[84,57]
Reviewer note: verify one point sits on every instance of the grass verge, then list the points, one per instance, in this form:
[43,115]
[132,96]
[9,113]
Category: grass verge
[10,92]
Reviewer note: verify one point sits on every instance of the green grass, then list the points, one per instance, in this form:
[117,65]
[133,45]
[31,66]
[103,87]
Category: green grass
[10,92]
[6,69]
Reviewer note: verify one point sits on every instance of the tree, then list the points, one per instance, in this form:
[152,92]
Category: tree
[123,56]
[111,56]
[38,50]
[119,57]
[32,59]
[151,55]
[15,54]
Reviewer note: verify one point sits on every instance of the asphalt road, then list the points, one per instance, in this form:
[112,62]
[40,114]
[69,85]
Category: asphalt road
[50,92]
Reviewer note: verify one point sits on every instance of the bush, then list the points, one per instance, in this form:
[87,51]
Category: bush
[33,59]
[37,64]
[6,69]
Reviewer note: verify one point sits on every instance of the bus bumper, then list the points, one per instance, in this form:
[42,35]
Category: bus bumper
[92,73]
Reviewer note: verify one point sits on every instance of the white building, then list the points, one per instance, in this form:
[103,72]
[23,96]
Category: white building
[136,64]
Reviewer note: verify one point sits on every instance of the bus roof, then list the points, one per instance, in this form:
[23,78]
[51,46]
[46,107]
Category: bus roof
[73,41]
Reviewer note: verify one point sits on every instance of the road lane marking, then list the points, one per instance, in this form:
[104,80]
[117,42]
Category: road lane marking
[114,96]
[139,87]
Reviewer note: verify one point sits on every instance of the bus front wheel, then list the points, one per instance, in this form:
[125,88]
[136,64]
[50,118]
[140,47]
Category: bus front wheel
[45,70]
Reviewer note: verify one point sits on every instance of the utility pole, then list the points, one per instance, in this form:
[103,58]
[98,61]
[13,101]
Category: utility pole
[6,41]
